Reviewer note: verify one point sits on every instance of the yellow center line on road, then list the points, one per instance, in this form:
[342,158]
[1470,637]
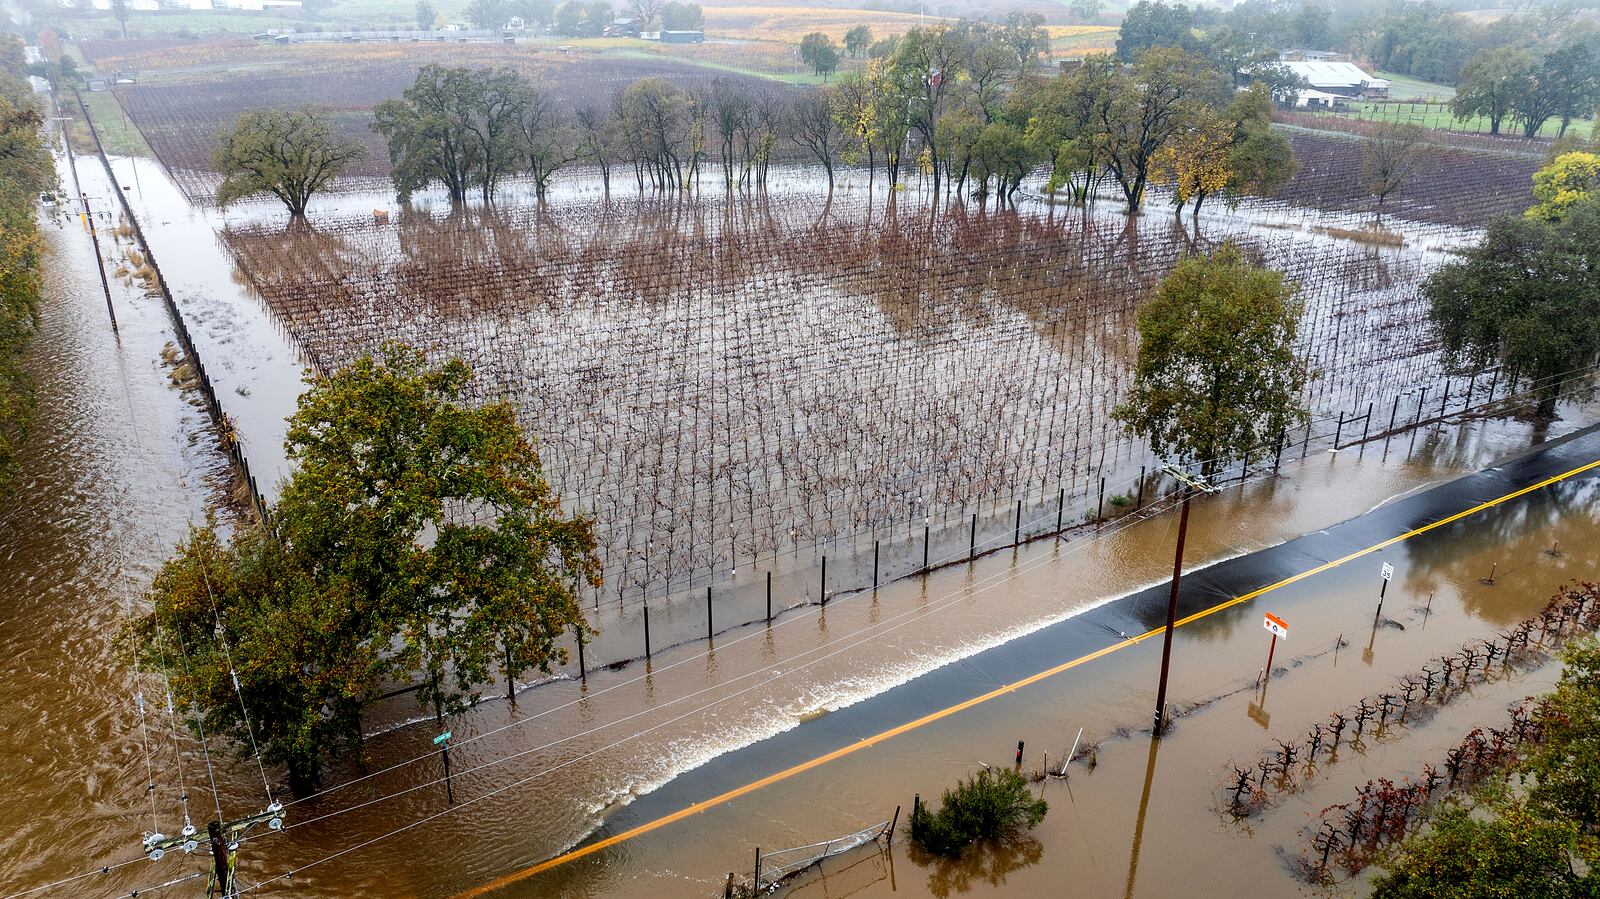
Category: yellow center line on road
[695,808]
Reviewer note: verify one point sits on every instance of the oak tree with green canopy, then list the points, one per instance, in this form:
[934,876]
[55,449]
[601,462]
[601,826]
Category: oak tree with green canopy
[1526,297]
[289,153]
[857,40]
[1217,373]
[1512,854]
[417,541]
[1151,23]
[820,53]
[1152,103]
[1490,81]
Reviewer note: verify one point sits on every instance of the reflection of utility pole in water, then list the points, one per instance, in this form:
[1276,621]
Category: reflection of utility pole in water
[1144,805]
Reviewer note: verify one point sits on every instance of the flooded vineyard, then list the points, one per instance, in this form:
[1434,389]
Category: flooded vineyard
[888,414]
[725,383]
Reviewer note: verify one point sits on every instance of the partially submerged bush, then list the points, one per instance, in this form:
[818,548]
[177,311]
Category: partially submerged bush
[991,804]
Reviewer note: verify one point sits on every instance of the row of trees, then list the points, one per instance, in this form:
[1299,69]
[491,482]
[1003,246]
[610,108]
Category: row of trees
[26,169]
[1422,38]
[1529,87]
[960,104]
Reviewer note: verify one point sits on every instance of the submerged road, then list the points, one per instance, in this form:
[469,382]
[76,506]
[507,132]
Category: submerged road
[961,685]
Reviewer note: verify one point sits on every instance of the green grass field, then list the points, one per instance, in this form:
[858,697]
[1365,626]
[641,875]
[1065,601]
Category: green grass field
[1404,87]
[1438,115]
[117,133]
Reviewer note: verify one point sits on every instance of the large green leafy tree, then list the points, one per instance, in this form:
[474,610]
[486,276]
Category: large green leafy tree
[820,53]
[1490,83]
[1526,297]
[1151,23]
[1217,373]
[290,154]
[857,40]
[1510,855]
[417,540]
[1153,101]
[429,135]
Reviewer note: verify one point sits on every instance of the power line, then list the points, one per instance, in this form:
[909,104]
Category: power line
[227,655]
[655,673]
[104,869]
[865,636]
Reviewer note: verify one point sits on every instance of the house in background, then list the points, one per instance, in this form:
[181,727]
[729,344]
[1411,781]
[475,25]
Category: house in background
[1329,79]
[674,37]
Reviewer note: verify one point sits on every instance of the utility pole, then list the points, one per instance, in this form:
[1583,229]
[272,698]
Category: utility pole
[222,838]
[1189,485]
[88,220]
[99,261]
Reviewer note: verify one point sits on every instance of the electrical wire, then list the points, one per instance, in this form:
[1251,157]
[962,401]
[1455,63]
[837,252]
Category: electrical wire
[227,655]
[959,596]
[805,615]
[200,727]
[104,869]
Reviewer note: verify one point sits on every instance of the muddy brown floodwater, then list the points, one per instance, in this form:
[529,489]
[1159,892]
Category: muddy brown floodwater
[121,462]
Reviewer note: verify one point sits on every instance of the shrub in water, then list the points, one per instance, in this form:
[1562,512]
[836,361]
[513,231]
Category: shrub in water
[991,804]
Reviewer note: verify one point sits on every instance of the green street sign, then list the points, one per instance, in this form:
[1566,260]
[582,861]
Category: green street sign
[441,738]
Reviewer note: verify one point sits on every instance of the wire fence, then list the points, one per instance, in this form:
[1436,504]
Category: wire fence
[219,417]
[773,868]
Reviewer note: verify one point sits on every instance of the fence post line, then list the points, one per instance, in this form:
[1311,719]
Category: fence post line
[647,628]
[1100,511]
[1339,432]
[1366,423]
[1421,398]
[1277,456]
[757,881]
[1016,530]
[708,613]
[769,597]
[924,545]
[822,585]
[1061,507]
[1446,401]
[1138,502]
[1392,413]
[1494,378]
[874,564]
[972,539]
[1472,384]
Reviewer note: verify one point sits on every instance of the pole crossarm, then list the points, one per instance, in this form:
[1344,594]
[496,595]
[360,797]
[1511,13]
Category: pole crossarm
[1194,482]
